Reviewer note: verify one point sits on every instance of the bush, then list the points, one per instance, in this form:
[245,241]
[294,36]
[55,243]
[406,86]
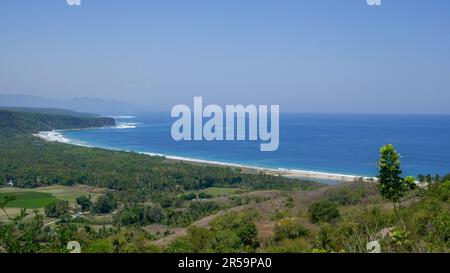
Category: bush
[347,195]
[204,195]
[299,245]
[139,215]
[398,241]
[84,202]
[440,190]
[229,233]
[198,240]
[57,209]
[188,196]
[325,211]
[153,214]
[289,202]
[249,235]
[105,204]
[289,229]
[430,220]
[195,211]
[130,216]
[359,226]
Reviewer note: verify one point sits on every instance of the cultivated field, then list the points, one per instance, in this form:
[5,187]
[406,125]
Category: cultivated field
[38,198]
[29,199]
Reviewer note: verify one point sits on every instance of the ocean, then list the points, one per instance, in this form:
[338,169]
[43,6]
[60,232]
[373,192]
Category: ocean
[333,143]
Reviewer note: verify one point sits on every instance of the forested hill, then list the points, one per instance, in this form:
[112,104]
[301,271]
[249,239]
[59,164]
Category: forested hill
[52,111]
[14,121]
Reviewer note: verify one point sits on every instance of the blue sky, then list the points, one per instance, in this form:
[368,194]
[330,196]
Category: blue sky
[307,56]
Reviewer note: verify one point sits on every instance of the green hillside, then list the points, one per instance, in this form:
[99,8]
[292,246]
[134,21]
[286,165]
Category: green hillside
[13,122]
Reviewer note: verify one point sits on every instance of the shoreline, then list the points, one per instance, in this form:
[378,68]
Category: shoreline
[56,136]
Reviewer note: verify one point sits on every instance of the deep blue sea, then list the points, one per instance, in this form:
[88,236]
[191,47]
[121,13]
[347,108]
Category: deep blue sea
[336,143]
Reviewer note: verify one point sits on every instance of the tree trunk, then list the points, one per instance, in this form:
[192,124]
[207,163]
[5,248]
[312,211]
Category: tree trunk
[398,216]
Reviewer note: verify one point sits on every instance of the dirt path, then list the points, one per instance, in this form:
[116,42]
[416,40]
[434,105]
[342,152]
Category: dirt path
[263,207]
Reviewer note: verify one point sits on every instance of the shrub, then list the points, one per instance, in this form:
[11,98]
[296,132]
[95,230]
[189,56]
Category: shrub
[359,226]
[441,190]
[204,195]
[84,202]
[229,233]
[248,235]
[349,195]
[57,209]
[198,240]
[188,196]
[105,204]
[289,202]
[430,219]
[139,215]
[289,229]
[323,212]
[299,245]
[398,241]
[130,216]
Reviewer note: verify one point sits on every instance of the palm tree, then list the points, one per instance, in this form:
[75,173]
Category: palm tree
[421,178]
[429,179]
[437,178]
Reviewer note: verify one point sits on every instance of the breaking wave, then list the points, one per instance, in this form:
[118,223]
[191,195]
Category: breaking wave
[126,125]
[54,136]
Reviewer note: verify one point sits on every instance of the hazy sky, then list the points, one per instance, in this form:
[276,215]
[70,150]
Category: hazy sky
[307,56]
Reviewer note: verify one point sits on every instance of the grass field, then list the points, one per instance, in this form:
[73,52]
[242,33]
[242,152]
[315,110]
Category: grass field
[29,199]
[38,198]
[60,192]
[215,191]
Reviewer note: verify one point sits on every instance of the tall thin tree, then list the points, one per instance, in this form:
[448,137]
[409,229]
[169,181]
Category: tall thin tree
[391,184]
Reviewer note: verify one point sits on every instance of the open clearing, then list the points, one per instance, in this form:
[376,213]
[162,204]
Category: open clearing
[64,193]
[29,199]
[38,198]
[216,191]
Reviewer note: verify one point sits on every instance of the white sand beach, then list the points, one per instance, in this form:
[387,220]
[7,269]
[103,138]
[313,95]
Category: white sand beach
[57,136]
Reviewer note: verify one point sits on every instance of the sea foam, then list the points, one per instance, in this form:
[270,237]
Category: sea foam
[53,136]
[126,125]
[122,117]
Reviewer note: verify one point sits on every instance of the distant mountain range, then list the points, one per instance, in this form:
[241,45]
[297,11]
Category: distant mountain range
[50,111]
[87,105]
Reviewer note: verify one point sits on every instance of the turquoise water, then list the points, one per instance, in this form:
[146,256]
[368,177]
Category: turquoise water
[336,143]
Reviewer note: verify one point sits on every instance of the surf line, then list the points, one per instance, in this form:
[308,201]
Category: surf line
[235,120]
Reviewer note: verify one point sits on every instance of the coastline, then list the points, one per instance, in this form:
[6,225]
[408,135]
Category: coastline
[56,136]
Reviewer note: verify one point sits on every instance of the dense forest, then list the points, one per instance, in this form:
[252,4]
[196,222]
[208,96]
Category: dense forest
[31,162]
[16,121]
